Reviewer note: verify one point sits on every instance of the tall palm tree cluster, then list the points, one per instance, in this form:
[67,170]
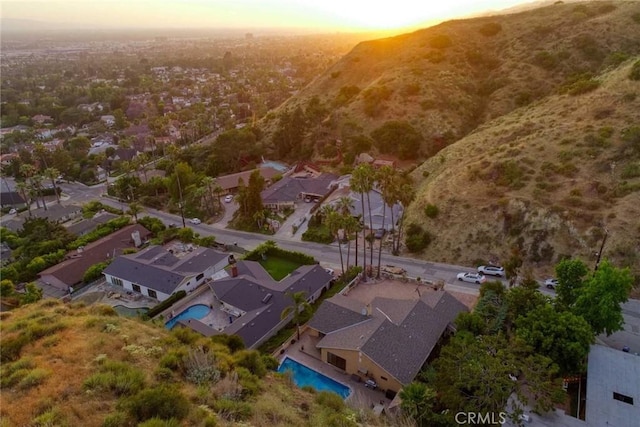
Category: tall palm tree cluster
[395,188]
[31,185]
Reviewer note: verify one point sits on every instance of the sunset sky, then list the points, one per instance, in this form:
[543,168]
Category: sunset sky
[344,15]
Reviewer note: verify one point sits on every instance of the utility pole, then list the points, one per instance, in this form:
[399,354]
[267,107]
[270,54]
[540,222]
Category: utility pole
[599,254]
[180,204]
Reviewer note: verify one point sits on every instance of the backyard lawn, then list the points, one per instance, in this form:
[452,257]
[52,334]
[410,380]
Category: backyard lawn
[278,268]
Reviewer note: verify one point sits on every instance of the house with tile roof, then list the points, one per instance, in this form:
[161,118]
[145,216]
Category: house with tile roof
[158,272]
[255,301]
[230,183]
[387,341]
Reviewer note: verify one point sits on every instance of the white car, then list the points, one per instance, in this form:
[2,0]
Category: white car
[13,211]
[491,270]
[195,221]
[551,283]
[228,198]
[472,277]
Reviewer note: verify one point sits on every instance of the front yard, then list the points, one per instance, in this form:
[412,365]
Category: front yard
[279,268]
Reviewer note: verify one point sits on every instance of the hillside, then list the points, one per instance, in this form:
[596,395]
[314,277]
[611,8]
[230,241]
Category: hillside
[71,365]
[550,177]
[537,112]
[448,79]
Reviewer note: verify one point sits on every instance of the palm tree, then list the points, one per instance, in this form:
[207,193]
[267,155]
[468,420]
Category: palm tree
[387,179]
[334,222]
[134,209]
[23,188]
[52,174]
[362,182]
[344,206]
[417,402]
[407,194]
[299,306]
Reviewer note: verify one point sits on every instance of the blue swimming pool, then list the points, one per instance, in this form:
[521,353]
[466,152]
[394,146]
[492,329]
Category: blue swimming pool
[197,311]
[303,376]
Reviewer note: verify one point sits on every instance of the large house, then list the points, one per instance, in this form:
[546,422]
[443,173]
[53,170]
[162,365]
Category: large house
[380,212]
[254,301]
[57,280]
[387,341]
[158,272]
[230,183]
[285,193]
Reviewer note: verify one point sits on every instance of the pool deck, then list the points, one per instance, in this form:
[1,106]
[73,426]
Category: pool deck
[305,353]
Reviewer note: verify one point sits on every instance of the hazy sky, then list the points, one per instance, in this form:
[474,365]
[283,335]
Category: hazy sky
[321,14]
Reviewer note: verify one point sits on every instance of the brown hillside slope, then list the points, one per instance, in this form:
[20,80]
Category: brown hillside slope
[550,177]
[448,79]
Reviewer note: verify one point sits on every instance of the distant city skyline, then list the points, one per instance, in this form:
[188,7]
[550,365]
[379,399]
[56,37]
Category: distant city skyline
[334,15]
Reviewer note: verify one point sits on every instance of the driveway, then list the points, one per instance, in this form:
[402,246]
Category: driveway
[299,217]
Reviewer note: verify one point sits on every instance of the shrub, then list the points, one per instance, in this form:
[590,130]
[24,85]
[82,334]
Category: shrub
[159,422]
[417,239]
[579,84]
[440,41]
[233,410]
[319,234]
[635,71]
[154,311]
[116,419]
[118,378]
[161,402]
[200,367]
[431,211]
[545,60]
[330,400]
[490,29]
[33,378]
[631,170]
[251,360]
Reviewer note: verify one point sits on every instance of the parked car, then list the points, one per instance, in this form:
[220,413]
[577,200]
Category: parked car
[491,270]
[379,233]
[195,221]
[331,271]
[13,211]
[472,277]
[551,283]
[228,198]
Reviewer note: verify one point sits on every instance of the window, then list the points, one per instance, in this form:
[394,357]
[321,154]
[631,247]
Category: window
[623,398]
[152,293]
[384,378]
[136,287]
[199,276]
[336,361]
[116,281]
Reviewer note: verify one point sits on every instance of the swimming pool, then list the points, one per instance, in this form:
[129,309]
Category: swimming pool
[197,311]
[280,167]
[304,376]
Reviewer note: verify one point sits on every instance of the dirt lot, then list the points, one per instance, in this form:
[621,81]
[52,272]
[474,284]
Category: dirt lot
[366,292]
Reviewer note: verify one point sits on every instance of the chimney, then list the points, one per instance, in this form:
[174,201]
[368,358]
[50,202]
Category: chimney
[136,238]
[234,270]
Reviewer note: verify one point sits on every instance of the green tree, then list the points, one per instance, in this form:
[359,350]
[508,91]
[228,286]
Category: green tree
[600,297]
[399,138]
[334,222]
[561,335]
[472,373]
[299,305]
[32,293]
[417,402]
[570,274]
[134,209]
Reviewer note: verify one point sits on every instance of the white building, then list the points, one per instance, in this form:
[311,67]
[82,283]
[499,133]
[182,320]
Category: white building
[158,272]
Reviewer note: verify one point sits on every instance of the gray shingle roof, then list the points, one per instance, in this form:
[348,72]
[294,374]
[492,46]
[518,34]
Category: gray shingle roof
[247,293]
[402,337]
[332,316]
[288,188]
[161,270]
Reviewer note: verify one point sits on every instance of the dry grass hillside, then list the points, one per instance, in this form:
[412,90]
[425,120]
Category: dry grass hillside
[71,365]
[549,177]
[448,79]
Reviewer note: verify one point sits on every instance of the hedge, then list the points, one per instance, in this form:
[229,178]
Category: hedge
[154,311]
[271,249]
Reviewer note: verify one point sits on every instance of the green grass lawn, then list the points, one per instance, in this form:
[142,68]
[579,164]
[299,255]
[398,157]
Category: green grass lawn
[278,268]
